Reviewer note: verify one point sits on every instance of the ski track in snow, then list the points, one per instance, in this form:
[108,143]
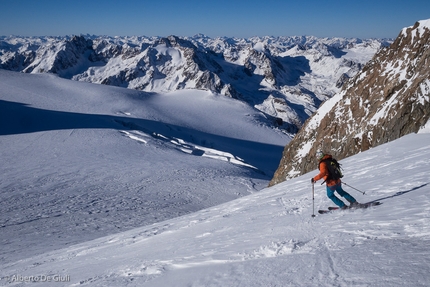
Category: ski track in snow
[266,238]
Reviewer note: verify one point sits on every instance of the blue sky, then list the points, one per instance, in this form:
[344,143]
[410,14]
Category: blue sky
[232,18]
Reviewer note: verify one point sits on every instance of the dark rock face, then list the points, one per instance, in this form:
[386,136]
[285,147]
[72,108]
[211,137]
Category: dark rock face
[387,99]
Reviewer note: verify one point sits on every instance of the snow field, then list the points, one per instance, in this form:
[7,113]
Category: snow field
[269,238]
[119,205]
[82,161]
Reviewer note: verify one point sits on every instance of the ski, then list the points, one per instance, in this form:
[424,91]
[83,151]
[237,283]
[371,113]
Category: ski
[361,205]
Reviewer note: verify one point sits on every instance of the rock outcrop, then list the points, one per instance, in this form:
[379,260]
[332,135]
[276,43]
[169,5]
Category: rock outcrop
[387,99]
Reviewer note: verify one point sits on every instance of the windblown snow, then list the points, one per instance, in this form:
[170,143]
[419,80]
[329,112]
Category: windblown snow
[104,186]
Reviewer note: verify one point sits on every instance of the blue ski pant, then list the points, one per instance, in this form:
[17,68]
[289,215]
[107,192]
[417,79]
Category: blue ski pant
[338,188]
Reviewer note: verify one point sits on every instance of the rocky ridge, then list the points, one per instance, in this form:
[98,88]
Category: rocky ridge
[388,98]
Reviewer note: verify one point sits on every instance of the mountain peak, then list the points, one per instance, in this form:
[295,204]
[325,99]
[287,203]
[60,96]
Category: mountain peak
[420,27]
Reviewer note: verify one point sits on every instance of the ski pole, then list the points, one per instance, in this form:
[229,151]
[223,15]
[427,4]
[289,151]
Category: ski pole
[363,192]
[313,200]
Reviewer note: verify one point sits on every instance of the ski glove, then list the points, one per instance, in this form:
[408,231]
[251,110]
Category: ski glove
[312,180]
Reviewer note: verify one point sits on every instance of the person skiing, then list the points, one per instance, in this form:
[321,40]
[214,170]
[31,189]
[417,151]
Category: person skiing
[332,184]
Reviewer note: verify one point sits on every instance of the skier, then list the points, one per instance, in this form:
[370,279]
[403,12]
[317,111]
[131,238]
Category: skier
[333,184]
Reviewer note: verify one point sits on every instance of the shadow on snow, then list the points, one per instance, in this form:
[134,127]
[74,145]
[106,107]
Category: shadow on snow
[19,118]
[399,193]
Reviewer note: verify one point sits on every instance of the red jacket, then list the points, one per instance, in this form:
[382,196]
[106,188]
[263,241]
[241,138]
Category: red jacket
[324,172]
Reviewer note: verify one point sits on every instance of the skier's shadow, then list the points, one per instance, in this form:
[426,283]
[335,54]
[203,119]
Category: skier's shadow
[399,193]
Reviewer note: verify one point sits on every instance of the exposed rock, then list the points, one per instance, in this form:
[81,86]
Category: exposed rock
[387,99]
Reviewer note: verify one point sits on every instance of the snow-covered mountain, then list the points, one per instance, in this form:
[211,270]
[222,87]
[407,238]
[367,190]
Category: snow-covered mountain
[287,78]
[387,99]
[106,186]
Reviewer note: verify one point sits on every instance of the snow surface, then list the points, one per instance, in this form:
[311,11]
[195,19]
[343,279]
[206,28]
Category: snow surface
[425,128]
[81,160]
[64,180]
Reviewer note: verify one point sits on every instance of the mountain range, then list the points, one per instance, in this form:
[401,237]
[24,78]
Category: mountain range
[286,78]
[113,186]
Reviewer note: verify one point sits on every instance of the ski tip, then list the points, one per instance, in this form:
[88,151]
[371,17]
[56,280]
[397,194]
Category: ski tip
[374,203]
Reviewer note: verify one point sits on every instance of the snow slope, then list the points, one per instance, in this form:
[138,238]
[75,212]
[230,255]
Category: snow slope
[269,238]
[82,163]
[81,160]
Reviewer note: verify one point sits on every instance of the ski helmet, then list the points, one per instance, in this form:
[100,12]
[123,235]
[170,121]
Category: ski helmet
[320,154]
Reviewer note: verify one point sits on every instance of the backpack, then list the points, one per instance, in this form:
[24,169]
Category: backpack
[334,169]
